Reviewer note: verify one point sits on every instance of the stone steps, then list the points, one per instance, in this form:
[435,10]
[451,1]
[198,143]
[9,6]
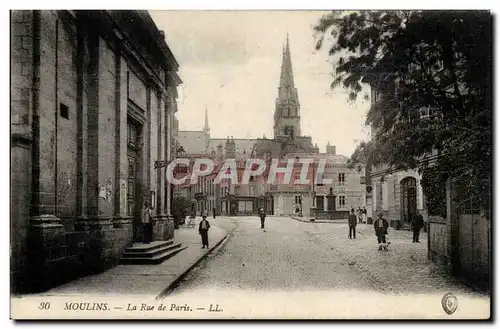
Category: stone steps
[153,253]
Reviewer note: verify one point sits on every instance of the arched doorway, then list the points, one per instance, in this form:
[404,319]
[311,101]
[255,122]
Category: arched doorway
[408,198]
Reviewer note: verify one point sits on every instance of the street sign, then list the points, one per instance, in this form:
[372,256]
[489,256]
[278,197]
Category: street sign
[160,164]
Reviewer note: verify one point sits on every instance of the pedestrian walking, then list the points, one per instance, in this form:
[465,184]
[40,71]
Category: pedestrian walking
[417,224]
[213,210]
[352,225]
[380,225]
[359,213]
[203,230]
[364,214]
[147,223]
[262,215]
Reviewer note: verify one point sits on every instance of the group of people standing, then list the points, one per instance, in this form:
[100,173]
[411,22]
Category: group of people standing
[147,219]
[380,225]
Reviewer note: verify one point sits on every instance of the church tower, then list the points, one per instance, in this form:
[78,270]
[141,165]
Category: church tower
[287,111]
[206,131]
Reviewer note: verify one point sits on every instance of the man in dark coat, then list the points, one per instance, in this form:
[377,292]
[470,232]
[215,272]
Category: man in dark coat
[147,223]
[262,215]
[352,225]
[203,230]
[417,224]
[213,211]
[380,225]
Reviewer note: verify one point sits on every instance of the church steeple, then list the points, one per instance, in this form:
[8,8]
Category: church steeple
[206,129]
[286,78]
[287,112]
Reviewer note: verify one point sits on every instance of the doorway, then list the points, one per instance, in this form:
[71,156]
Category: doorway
[133,159]
[408,198]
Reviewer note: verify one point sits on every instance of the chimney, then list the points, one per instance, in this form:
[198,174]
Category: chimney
[330,149]
[230,149]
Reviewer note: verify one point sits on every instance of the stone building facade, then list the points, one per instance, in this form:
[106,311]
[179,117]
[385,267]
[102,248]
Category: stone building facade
[345,183]
[397,194]
[93,95]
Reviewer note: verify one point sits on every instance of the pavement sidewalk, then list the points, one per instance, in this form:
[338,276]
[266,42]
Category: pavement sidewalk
[145,279]
[405,268]
[307,219]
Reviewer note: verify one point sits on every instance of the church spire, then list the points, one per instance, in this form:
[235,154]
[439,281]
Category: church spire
[206,128]
[286,78]
[287,112]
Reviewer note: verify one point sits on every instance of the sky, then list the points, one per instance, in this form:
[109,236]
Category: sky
[230,63]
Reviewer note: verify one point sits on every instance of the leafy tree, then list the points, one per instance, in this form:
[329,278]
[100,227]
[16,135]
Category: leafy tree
[430,73]
[180,206]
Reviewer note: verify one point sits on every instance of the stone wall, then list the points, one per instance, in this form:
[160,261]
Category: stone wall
[437,240]
[21,98]
[474,247]
[336,215]
[69,162]
[461,243]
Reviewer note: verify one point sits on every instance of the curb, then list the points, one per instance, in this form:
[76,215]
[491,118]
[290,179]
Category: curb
[321,221]
[179,277]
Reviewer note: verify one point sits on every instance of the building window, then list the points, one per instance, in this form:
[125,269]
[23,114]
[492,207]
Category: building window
[131,135]
[286,111]
[320,202]
[289,131]
[342,200]
[341,177]
[376,95]
[64,110]
[298,199]
[380,196]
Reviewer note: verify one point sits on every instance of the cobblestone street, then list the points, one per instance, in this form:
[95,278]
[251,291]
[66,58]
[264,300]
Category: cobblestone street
[403,269]
[309,257]
[284,257]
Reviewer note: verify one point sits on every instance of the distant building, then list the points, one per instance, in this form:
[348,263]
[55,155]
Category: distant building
[93,97]
[287,132]
[288,142]
[397,194]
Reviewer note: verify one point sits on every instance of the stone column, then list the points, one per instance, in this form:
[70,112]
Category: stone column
[82,123]
[420,198]
[397,197]
[385,195]
[161,229]
[169,110]
[93,127]
[121,168]
[44,125]
[161,188]
[45,229]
